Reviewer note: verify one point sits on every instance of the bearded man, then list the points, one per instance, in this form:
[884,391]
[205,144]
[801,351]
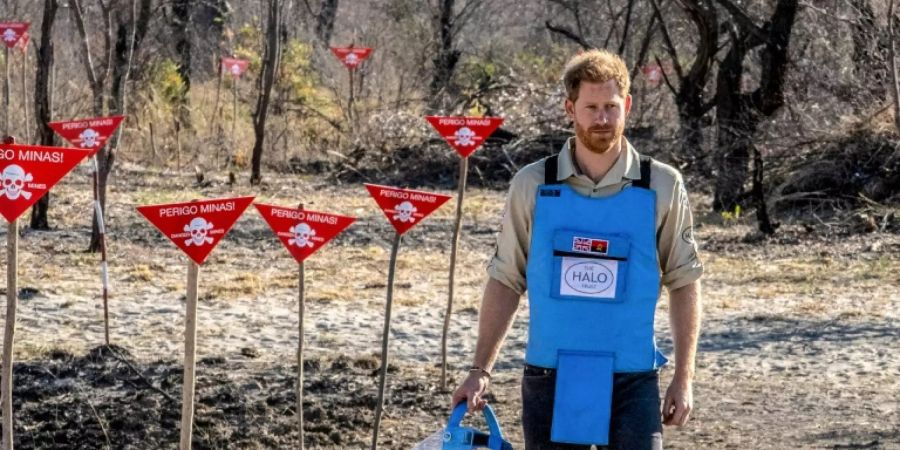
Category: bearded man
[592,234]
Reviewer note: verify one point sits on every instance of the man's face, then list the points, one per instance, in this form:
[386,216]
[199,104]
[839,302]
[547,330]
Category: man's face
[599,114]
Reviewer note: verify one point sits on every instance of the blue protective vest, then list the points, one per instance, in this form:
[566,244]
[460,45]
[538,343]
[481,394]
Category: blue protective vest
[593,283]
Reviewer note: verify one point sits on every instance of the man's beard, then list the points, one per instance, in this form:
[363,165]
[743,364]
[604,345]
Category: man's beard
[599,143]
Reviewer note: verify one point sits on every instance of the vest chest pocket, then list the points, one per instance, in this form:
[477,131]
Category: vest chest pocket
[589,266]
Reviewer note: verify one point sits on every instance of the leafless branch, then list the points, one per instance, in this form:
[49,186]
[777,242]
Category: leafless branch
[744,21]
[569,34]
[670,47]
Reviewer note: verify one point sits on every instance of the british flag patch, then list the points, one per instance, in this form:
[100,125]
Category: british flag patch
[588,245]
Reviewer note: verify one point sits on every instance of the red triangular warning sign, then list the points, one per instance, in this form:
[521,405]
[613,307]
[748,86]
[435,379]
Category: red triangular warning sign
[235,66]
[89,134]
[405,208]
[27,172]
[11,32]
[303,232]
[465,134]
[351,56]
[196,227]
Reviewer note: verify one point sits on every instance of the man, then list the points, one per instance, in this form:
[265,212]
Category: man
[593,233]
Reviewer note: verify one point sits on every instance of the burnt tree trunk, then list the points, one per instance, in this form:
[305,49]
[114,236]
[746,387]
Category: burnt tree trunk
[736,126]
[43,102]
[325,21]
[739,114]
[271,61]
[446,56]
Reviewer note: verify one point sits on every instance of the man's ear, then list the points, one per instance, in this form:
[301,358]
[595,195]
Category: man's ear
[570,109]
[627,105]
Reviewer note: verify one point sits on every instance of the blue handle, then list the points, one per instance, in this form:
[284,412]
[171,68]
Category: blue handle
[495,439]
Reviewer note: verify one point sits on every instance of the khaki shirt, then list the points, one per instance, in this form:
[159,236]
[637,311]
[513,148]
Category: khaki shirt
[678,260]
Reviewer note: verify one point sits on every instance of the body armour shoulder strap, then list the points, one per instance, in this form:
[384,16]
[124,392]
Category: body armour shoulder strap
[644,182]
[551,164]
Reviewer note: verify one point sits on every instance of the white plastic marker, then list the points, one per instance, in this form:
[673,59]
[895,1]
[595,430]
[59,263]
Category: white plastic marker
[196,228]
[303,232]
[465,135]
[91,134]
[28,172]
[404,209]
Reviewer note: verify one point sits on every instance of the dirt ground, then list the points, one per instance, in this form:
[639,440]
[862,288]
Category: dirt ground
[798,348]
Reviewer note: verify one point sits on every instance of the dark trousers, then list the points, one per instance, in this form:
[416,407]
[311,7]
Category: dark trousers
[635,425]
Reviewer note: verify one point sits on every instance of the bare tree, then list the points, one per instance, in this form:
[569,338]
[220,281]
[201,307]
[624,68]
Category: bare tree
[270,63]
[689,97]
[447,56]
[738,113]
[124,30]
[43,103]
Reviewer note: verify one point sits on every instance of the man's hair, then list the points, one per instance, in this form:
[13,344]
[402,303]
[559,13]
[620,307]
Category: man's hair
[596,66]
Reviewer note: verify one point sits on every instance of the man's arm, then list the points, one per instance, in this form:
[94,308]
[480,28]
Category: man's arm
[498,308]
[684,315]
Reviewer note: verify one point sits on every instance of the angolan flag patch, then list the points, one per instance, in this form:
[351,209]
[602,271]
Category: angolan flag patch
[588,245]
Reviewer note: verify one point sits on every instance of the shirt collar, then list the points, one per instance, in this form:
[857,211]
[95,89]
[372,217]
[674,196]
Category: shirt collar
[624,167]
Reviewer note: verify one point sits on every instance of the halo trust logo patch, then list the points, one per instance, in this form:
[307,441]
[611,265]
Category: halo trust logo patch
[588,278]
[588,245]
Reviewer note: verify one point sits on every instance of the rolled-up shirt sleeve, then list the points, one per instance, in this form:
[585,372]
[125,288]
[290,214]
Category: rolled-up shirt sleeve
[678,258]
[514,239]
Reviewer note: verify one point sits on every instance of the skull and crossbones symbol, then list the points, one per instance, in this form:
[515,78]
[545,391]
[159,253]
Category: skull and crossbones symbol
[235,69]
[404,212]
[465,137]
[14,179]
[9,35]
[352,59]
[89,138]
[303,234]
[199,229]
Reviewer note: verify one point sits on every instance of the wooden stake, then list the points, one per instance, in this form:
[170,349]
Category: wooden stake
[153,144]
[26,131]
[350,101]
[234,102]
[190,339]
[379,405]
[454,245]
[6,95]
[177,126]
[301,289]
[104,266]
[12,292]
[215,116]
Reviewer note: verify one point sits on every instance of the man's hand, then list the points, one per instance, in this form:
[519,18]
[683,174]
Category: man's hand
[472,390]
[679,402]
